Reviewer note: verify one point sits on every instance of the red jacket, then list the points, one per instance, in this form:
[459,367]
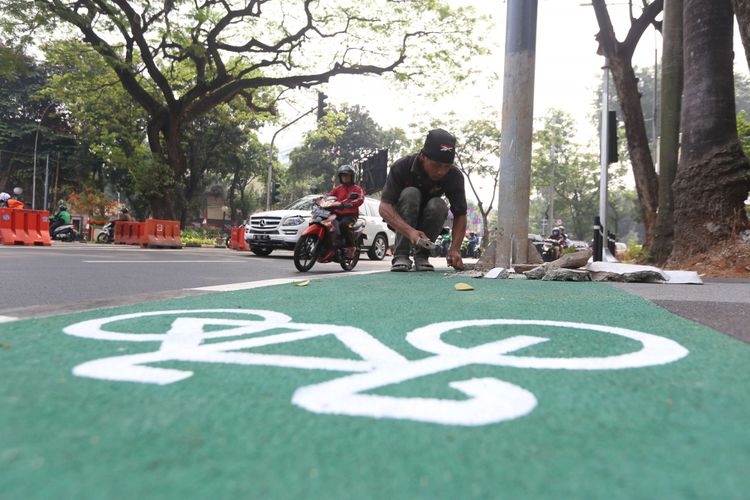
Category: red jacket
[342,192]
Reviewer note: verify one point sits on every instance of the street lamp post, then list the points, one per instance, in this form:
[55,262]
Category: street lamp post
[36,141]
[269,177]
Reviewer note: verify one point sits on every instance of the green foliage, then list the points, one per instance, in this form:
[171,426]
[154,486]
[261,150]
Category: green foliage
[636,252]
[565,173]
[743,131]
[342,137]
[201,236]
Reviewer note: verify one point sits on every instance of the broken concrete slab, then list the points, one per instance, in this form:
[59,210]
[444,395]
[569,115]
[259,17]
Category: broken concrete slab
[630,273]
[565,274]
[572,260]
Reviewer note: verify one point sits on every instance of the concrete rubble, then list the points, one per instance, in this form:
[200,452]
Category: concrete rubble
[578,266]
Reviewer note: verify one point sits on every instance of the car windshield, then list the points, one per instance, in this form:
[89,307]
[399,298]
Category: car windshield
[302,204]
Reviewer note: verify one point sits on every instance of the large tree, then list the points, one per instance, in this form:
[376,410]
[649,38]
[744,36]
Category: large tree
[742,11]
[343,136]
[671,104]
[179,59]
[619,56]
[713,176]
[565,176]
[477,158]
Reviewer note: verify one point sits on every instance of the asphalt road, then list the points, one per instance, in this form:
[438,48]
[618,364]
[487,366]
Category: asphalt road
[73,277]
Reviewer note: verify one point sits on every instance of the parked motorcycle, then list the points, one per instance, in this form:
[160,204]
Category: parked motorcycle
[107,234]
[318,243]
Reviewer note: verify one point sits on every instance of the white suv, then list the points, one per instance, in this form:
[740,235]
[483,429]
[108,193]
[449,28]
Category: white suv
[280,229]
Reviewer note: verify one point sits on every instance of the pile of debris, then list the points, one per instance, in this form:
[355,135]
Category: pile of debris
[579,266]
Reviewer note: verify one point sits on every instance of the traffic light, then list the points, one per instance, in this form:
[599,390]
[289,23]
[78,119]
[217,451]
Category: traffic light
[275,194]
[612,154]
[321,104]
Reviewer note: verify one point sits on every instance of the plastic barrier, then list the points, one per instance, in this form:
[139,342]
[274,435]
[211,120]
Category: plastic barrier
[128,233]
[161,234]
[237,240]
[24,227]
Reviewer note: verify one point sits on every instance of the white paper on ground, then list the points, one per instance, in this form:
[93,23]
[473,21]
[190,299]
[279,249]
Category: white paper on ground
[494,272]
[682,277]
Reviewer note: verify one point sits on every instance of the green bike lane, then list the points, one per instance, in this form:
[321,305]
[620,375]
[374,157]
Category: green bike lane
[384,385]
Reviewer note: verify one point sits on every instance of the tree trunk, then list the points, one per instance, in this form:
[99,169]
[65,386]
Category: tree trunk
[742,11]
[165,142]
[671,103]
[638,147]
[620,61]
[713,176]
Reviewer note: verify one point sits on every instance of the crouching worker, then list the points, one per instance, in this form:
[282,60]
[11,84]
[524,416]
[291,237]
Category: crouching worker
[347,216]
[413,206]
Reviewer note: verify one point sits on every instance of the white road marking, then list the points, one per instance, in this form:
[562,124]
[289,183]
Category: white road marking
[7,319]
[139,261]
[231,287]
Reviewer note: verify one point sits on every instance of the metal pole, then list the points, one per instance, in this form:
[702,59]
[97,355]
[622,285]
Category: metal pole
[269,176]
[553,158]
[655,124]
[517,126]
[46,183]
[36,141]
[603,149]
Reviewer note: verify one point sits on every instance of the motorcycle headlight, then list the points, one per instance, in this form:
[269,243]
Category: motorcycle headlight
[293,221]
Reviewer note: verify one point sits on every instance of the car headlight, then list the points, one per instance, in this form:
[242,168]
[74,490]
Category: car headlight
[293,221]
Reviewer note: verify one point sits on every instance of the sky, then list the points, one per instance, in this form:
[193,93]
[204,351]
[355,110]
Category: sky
[568,72]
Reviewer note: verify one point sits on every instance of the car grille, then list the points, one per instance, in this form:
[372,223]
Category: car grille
[265,224]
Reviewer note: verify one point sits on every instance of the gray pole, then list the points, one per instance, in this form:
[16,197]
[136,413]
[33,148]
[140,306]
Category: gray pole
[517,126]
[36,141]
[603,152]
[655,124]
[46,183]
[553,159]
[269,176]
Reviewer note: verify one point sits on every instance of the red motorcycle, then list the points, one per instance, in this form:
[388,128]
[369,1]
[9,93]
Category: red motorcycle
[318,243]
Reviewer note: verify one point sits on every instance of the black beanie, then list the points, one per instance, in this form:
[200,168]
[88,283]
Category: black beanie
[440,146]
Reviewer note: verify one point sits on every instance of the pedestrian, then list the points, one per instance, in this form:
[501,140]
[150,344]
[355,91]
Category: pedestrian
[413,206]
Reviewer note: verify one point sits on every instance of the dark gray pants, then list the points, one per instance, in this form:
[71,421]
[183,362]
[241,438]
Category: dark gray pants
[429,219]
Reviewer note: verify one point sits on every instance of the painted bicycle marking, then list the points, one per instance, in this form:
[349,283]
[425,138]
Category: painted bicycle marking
[488,400]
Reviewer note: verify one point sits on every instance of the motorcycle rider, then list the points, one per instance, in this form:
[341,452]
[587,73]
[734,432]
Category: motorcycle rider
[9,201]
[347,216]
[61,218]
[125,215]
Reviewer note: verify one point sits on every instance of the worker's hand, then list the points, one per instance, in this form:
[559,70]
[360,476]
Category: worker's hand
[415,235]
[454,260]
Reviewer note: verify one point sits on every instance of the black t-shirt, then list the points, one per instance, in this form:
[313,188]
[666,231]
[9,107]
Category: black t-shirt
[407,172]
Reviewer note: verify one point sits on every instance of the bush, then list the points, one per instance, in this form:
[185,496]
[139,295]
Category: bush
[210,236]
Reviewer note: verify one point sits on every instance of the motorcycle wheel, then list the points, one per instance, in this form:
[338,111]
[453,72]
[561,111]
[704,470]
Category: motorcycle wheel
[306,252]
[349,264]
[102,238]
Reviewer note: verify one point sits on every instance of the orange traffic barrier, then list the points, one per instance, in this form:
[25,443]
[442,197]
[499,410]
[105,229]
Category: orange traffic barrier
[128,233]
[161,234]
[24,227]
[237,240]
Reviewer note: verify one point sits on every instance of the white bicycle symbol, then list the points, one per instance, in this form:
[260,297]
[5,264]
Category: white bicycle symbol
[489,400]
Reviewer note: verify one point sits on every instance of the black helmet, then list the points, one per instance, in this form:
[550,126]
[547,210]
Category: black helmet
[124,210]
[345,169]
